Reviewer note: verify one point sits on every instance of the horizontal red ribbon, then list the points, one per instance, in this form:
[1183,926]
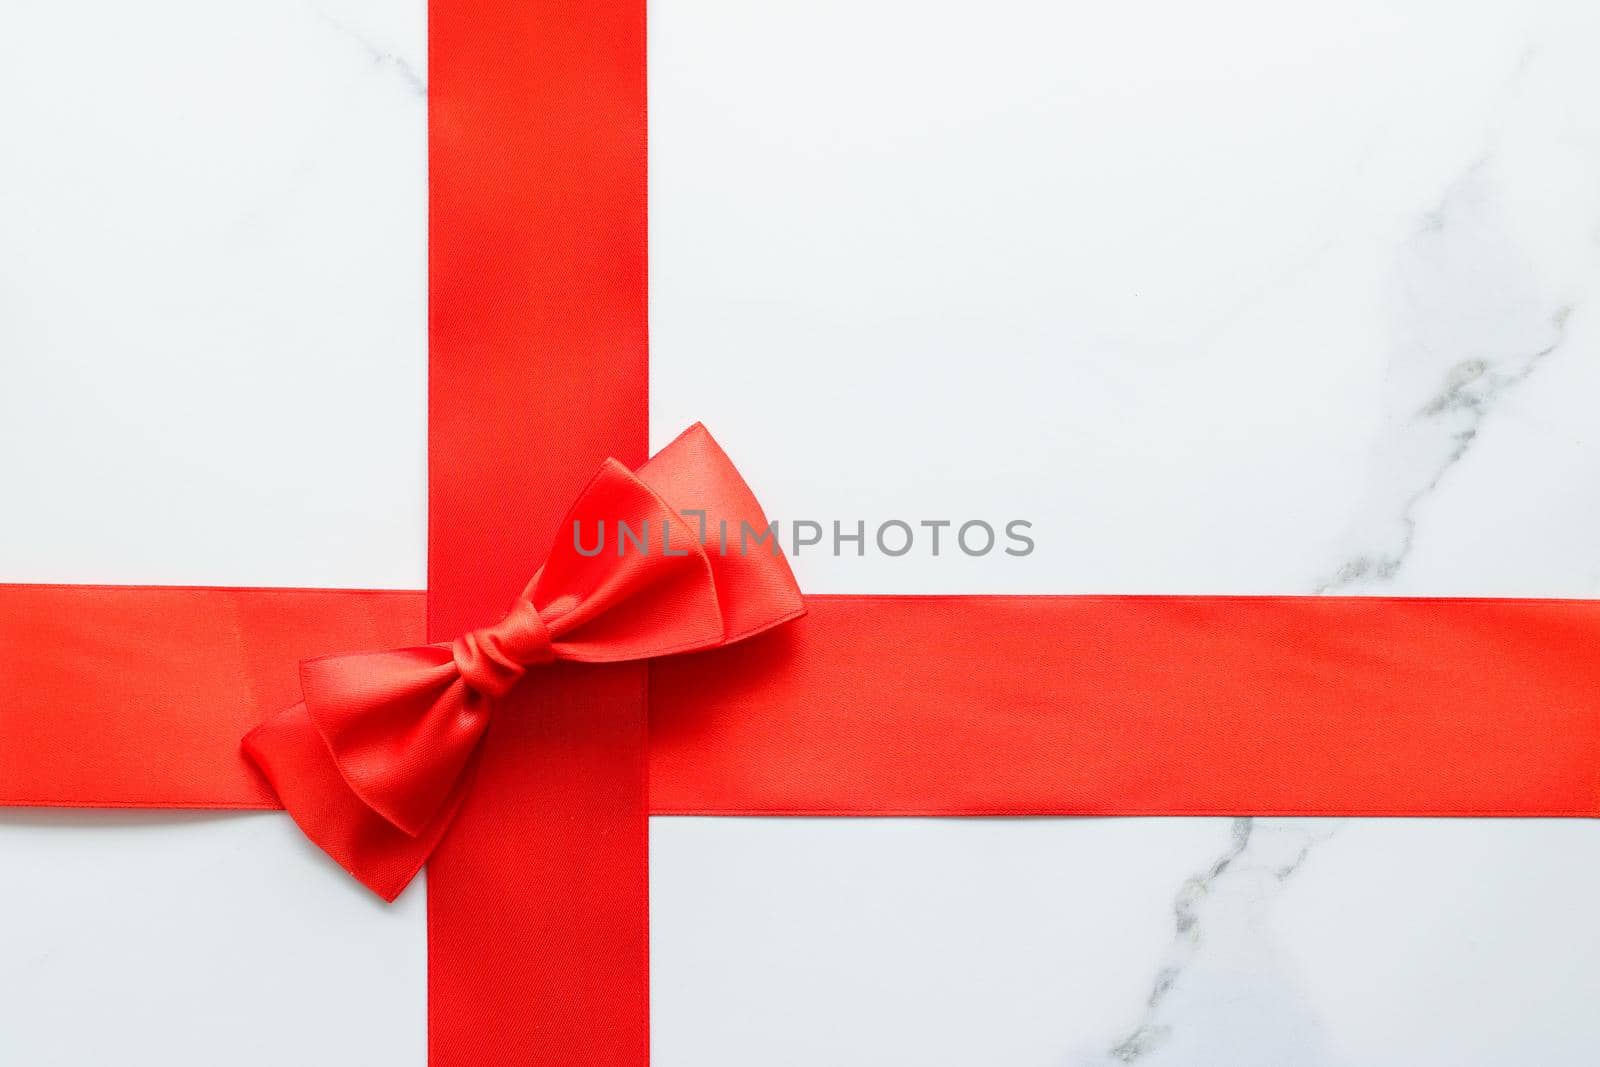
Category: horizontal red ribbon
[892,705]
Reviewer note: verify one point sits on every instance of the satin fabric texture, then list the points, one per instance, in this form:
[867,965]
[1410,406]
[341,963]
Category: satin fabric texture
[374,760]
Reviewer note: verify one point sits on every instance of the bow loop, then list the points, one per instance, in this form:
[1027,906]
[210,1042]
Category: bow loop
[644,587]
[399,727]
[375,761]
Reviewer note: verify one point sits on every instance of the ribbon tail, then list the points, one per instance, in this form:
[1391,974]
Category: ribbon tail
[292,755]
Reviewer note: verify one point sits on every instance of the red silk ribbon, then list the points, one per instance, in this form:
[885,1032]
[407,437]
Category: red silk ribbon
[375,759]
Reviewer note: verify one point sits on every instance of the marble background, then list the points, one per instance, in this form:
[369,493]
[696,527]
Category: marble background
[1238,297]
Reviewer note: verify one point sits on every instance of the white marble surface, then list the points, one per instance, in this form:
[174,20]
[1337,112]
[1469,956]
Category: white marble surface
[213,227]
[1234,297]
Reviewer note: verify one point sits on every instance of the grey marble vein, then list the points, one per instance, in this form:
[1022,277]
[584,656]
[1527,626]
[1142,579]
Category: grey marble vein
[1471,325]
[1472,319]
[1198,1006]
[380,57]
[1149,1033]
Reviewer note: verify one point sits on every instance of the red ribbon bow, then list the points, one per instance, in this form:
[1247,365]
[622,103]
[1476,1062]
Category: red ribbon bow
[375,760]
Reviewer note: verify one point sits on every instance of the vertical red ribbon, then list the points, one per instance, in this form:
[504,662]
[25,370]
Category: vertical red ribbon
[537,899]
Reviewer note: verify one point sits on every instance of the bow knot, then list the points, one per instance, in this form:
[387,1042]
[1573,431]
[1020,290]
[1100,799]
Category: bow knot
[374,761]
[493,659]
